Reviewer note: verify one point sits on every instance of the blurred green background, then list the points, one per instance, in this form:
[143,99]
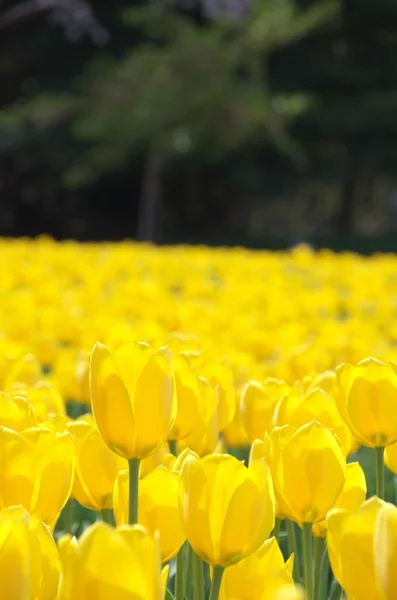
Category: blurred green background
[255,122]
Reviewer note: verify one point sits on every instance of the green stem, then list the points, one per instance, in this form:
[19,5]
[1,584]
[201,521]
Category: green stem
[277,528]
[105,514]
[319,543]
[173,447]
[380,472]
[179,583]
[308,557]
[133,464]
[68,516]
[217,575]
[198,577]
[293,548]
[324,577]
[189,570]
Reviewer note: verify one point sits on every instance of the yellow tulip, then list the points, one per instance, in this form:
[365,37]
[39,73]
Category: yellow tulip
[29,565]
[158,508]
[257,576]
[219,374]
[391,458]
[36,471]
[271,450]
[25,370]
[205,435]
[287,592]
[187,392]
[366,396]
[96,467]
[227,508]
[351,549]
[111,564]
[313,463]
[133,397]
[385,551]
[162,456]
[16,412]
[258,402]
[317,405]
[43,396]
[235,434]
[351,497]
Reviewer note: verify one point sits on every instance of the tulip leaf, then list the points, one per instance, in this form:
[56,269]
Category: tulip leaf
[168,595]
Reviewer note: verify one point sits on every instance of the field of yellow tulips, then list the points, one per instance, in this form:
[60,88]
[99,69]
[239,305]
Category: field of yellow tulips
[187,423]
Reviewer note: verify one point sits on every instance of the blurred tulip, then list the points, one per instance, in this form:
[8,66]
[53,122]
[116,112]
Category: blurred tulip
[96,467]
[317,405]
[351,497]
[111,564]
[205,435]
[385,551]
[366,396]
[36,471]
[240,513]
[219,374]
[287,592]
[25,370]
[16,412]
[257,576]
[311,472]
[162,456]
[44,398]
[391,458]
[271,450]
[235,434]
[258,402]
[133,397]
[29,565]
[351,549]
[158,508]
[187,393]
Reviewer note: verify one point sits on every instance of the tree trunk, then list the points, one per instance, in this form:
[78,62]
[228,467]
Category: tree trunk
[149,226]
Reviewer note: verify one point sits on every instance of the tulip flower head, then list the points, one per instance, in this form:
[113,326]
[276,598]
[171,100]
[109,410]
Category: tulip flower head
[227,509]
[366,396]
[133,397]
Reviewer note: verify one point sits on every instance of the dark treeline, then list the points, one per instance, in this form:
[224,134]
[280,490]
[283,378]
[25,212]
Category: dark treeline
[220,121]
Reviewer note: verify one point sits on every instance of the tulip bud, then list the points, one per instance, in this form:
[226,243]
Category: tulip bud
[317,405]
[37,470]
[258,402]
[114,563]
[313,463]
[366,396]
[239,503]
[257,576]
[351,549]
[187,393]
[219,374]
[16,412]
[29,565]
[133,397]
[204,437]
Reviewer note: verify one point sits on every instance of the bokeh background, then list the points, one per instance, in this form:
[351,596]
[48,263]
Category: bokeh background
[255,122]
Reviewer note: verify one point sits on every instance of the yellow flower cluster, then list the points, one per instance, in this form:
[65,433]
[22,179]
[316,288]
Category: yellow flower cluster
[241,355]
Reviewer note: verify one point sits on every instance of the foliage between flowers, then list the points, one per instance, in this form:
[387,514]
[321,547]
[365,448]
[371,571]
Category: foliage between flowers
[243,449]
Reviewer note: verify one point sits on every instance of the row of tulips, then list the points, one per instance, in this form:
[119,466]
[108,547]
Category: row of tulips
[179,473]
[176,510]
